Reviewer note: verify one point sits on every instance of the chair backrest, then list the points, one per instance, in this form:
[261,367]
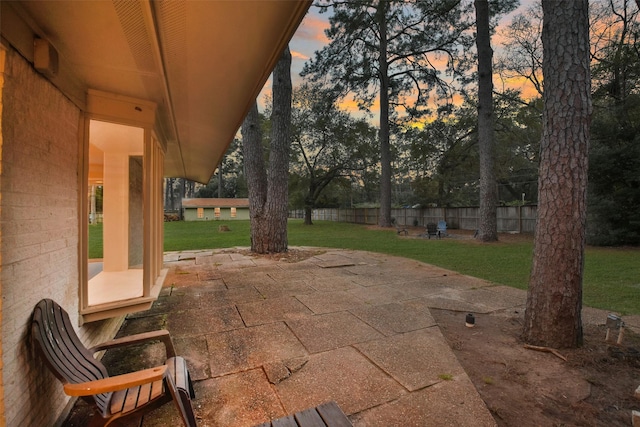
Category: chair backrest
[63,352]
[431,228]
[442,225]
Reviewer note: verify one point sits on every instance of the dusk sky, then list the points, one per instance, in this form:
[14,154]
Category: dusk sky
[310,37]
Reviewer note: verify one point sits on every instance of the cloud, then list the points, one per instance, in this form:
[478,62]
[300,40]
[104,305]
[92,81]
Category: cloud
[312,29]
[299,55]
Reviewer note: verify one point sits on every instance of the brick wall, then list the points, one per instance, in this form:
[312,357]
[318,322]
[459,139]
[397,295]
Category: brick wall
[39,165]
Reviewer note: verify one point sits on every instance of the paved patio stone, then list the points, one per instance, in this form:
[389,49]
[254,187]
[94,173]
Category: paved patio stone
[248,348]
[395,318]
[247,279]
[333,260]
[343,375]
[330,331]
[415,359]
[219,298]
[203,321]
[376,295]
[330,283]
[272,310]
[418,288]
[240,263]
[140,324]
[241,400]
[479,300]
[284,288]
[329,302]
[451,403]
[214,258]
[265,337]
[194,351]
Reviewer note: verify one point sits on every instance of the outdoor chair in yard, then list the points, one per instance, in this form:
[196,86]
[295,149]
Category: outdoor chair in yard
[399,229]
[442,228]
[432,230]
[117,397]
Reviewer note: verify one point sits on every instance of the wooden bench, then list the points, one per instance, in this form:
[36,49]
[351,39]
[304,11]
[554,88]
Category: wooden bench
[326,415]
[120,396]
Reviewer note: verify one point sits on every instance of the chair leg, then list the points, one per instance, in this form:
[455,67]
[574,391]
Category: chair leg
[188,416]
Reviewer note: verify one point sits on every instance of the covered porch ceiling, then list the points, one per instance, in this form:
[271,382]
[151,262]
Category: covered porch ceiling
[202,62]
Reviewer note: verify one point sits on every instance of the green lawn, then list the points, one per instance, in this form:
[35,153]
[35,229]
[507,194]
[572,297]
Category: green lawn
[611,279]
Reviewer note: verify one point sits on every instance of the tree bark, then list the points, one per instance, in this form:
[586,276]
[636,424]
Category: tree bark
[268,192]
[385,150]
[554,298]
[307,215]
[488,226]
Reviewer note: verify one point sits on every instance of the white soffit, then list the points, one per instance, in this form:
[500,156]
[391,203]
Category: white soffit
[202,62]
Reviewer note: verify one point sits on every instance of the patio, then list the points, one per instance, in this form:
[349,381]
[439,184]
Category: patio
[266,336]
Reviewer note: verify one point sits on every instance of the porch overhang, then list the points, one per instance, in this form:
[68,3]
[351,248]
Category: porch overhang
[201,62]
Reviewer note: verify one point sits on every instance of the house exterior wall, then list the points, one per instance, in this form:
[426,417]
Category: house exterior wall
[39,232]
[191,214]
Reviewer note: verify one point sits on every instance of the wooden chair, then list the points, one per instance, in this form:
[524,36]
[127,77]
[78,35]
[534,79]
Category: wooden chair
[432,230]
[399,229]
[117,397]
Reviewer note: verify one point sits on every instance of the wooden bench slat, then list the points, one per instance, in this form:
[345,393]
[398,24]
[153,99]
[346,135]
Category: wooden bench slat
[287,421]
[333,415]
[131,401]
[326,415]
[309,418]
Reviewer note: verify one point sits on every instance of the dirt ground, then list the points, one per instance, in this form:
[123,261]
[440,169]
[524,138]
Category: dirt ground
[594,387]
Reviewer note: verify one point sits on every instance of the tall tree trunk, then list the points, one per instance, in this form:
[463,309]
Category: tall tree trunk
[254,170]
[385,149]
[220,193]
[268,192]
[488,227]
[554,299]
[278,191]
[307,215]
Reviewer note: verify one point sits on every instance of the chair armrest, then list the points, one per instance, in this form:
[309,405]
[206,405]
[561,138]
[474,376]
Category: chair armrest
[160,335]
[119,382]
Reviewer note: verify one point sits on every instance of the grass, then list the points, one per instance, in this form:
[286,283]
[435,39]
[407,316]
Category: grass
[611,277]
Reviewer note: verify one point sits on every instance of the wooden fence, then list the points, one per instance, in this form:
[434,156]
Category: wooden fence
[511,219]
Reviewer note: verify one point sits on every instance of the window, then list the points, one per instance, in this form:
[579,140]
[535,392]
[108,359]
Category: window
[216,213]
[200,213]
[124,159]
[233,212]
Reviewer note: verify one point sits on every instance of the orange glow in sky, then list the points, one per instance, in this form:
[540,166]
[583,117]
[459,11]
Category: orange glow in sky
[310,37]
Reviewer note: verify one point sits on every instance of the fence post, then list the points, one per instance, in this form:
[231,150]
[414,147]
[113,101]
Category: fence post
[520,219]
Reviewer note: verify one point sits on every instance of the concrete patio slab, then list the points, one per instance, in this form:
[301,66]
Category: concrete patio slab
[219,298]
[248,348]
[272,310]
[331,331]
[376,295]
[416,359]
[451,403]
[395,318]
[264,337]
[284,288]
[247,279]
[205,321]
[195,352]
[328,302]
[243,400]
[330,283]
[343,375]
